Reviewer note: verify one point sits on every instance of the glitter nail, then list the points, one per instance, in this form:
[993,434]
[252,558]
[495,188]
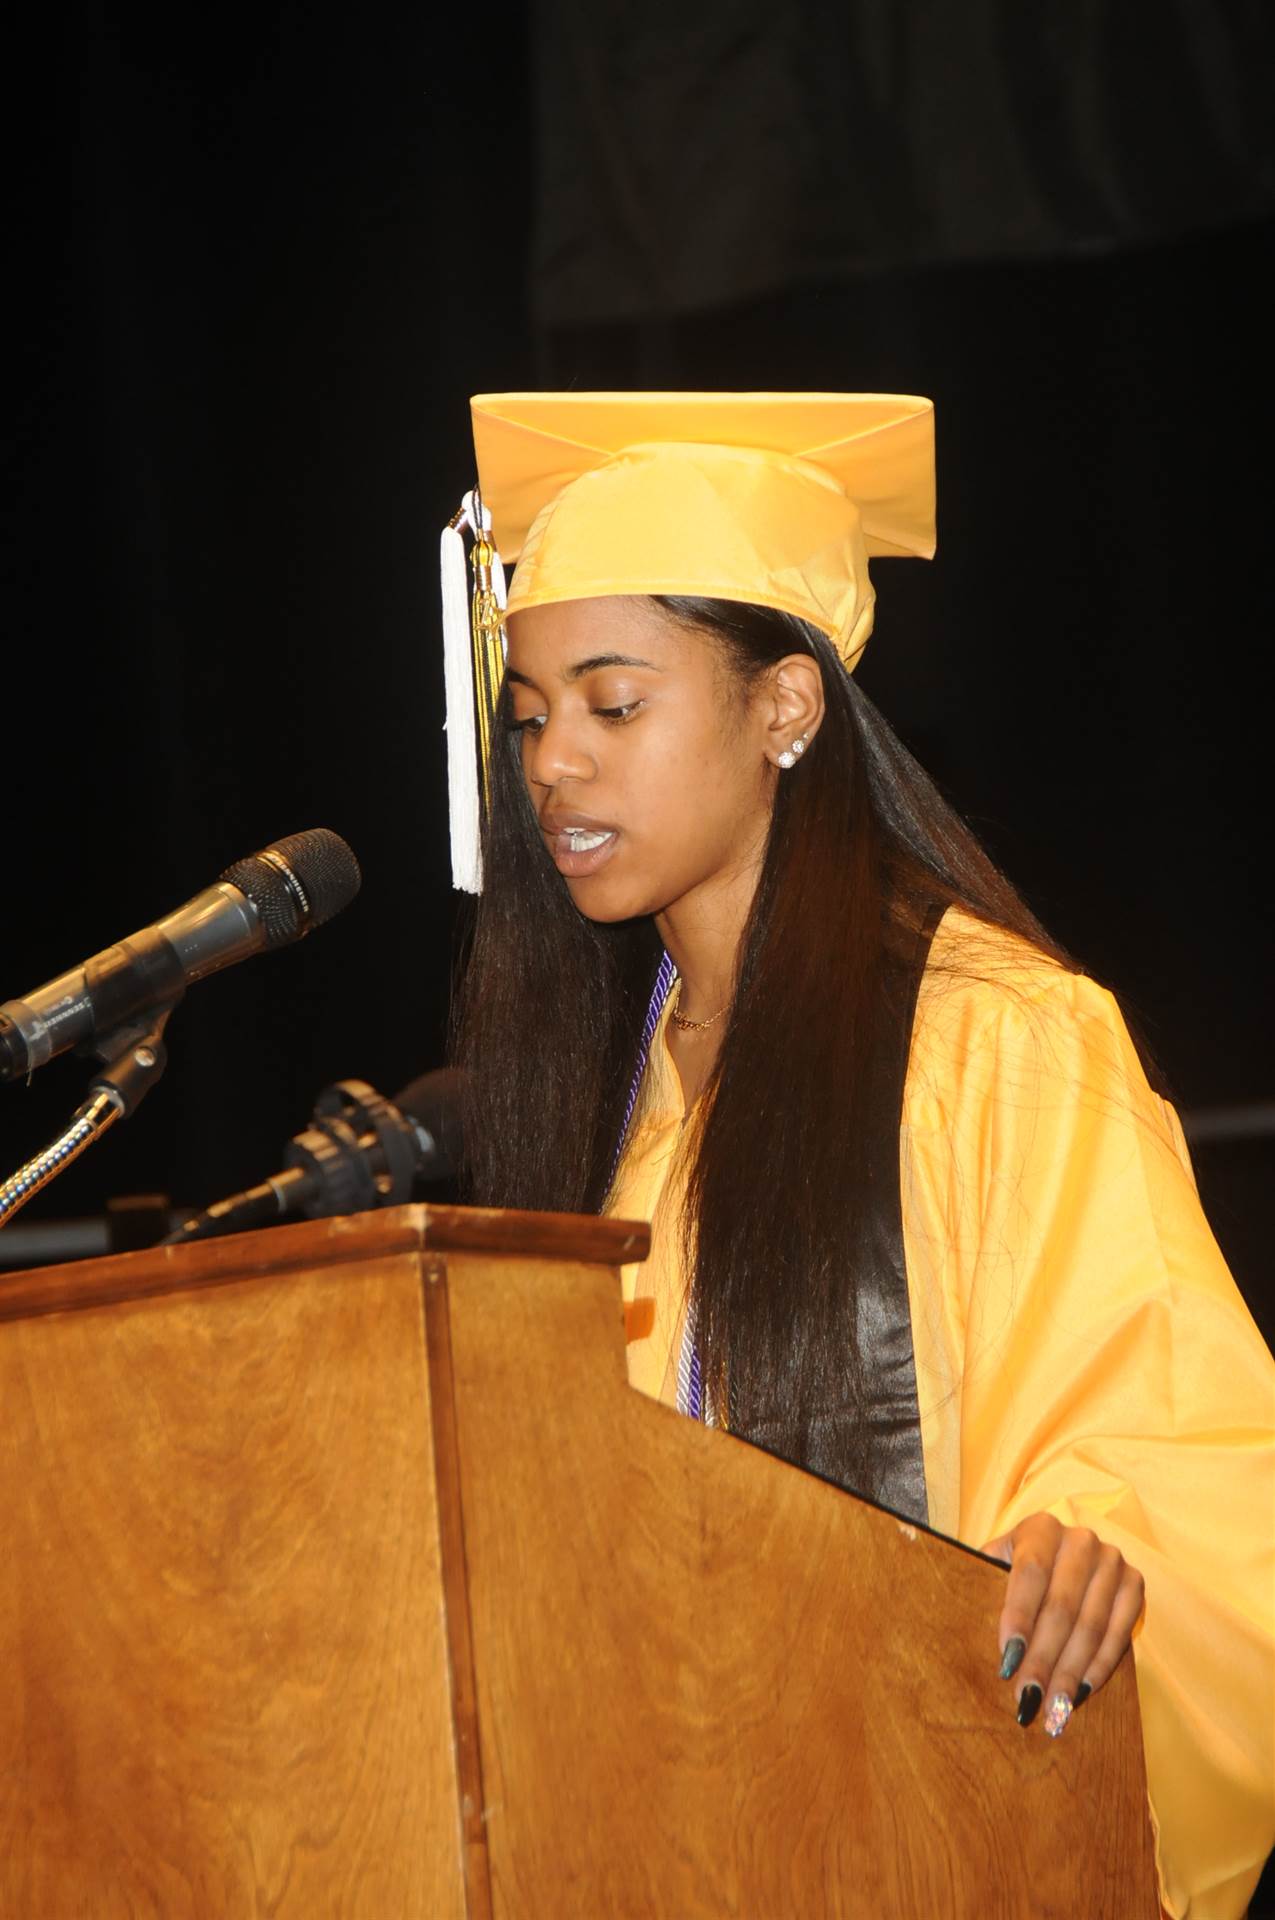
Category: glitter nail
[1057,1714]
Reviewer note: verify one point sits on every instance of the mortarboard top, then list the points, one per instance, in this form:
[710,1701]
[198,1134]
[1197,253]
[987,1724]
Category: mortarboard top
[777,499]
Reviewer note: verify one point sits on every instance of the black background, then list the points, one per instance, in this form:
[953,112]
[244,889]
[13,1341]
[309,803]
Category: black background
[255,273]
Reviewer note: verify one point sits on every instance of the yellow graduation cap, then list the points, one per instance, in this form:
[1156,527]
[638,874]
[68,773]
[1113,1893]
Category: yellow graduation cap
[778,499]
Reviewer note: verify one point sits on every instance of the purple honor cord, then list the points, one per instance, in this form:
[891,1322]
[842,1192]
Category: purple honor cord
[690,1386]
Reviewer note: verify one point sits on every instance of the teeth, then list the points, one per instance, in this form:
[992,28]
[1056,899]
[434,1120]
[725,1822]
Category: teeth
[579,841]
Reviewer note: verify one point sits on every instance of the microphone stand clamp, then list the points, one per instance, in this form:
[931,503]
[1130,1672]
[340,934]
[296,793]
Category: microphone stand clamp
[133,1056]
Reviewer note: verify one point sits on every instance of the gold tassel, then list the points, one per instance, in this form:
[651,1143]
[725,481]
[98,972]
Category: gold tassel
[487,636]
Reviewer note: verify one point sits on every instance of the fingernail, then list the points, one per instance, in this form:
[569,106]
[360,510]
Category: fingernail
[1083,1692]
[1028,1704]
[1057,1714]
[1012,1658]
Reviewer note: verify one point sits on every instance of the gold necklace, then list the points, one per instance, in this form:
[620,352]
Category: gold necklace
[684,1025]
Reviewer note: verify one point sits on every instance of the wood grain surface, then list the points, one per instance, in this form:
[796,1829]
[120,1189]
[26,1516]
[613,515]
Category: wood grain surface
[455,1593]
[710,1685]
[344,1574]
[310,1244]
[226,1681]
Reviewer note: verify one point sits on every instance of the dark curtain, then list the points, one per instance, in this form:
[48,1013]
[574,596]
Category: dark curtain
[694,157]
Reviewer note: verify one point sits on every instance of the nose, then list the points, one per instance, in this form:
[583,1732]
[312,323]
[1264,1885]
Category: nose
[557,753]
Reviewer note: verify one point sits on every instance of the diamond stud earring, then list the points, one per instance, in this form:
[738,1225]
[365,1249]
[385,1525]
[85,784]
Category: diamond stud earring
[793,754]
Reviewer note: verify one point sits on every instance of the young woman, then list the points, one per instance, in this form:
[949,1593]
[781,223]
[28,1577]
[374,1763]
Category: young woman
[923,1221]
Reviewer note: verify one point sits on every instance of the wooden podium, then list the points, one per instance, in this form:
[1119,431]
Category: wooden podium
[344,1574]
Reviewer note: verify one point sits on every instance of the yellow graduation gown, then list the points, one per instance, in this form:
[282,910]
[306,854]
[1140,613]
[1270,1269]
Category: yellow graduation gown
[1081,1349]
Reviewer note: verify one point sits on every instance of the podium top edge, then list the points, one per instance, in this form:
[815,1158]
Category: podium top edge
[75,1285]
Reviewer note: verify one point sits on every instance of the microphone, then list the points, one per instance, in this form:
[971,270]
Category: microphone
[267,900]
[360,1151]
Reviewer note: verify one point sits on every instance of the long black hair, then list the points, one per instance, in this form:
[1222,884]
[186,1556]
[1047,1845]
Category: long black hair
[797,1153]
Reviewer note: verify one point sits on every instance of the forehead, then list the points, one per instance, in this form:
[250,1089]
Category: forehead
[557,637]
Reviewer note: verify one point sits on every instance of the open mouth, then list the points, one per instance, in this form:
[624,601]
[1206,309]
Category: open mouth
[582,850]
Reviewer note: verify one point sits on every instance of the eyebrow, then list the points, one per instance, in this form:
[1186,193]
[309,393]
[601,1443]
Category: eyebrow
[591,665]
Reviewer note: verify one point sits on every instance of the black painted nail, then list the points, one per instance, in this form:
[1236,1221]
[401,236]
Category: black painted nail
[1083,1692]
[1012,1658]
[1028,1704]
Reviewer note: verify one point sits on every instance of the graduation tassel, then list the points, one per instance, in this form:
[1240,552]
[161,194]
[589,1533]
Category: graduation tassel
[474,664]
[489,658]
[458,679]
[498,581]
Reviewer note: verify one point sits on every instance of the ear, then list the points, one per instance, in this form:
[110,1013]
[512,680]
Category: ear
[792,708]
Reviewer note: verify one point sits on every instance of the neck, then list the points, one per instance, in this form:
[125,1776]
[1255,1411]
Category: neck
[702,933]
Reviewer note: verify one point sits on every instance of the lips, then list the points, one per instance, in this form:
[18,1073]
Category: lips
[578,843]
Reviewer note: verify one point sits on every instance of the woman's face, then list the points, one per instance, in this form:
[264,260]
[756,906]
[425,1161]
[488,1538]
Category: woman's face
[644,760]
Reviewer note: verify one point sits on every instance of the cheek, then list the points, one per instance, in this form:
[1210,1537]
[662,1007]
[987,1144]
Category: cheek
[721,769]
[696,797]
[666,762]
[690,810]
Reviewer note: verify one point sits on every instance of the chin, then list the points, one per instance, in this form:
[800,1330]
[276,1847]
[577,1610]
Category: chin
[608,906]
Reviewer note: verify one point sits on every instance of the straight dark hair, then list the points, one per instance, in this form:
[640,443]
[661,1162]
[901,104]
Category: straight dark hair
[863,852]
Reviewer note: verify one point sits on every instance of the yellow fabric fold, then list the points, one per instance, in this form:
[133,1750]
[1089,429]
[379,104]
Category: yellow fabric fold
[1081,1348]
[778,499]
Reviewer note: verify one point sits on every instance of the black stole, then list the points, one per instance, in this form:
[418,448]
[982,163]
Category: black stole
[883,1308]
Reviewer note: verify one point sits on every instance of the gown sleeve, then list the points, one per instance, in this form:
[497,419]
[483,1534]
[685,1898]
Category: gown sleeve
[1112,1376]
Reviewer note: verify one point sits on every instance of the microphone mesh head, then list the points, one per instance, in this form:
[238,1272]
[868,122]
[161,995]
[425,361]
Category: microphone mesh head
[298,882]
[326,868]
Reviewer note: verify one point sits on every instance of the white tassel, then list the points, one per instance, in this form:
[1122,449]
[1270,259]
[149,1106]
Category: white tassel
[462,741]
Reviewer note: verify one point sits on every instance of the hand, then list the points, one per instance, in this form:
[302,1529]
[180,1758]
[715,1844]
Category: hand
[1071,1604]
